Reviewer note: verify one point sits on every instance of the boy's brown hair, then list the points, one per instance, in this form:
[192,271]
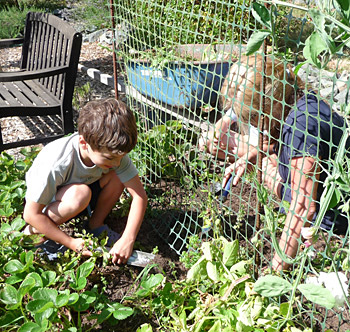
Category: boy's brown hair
[243,89]
[108,124]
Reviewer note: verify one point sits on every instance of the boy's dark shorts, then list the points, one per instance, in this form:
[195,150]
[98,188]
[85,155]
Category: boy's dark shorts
[95,191]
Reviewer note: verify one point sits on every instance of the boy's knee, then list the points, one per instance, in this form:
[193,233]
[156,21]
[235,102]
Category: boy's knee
[83,194]
[79,196]
[111,179]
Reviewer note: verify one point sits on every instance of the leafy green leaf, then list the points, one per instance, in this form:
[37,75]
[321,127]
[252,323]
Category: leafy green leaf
[81,305]
[62,300]
[48,278]
[85,269]
[14,279]
[206,248]
[29,327]
[261,14]
[239,268]
[79,284]
[230,253]
[213,271]
[3,176]
[270,286]
[120,312]
[27,284]
[17,224]
[38,306]
[314,46]
[29,259]
[104,315]
[256,40]
[9,318]
[8,294]
[73,298]
[284,307]
[336,197]
[6,211]
[145,328]
[84,301]
[153,281]
[197,270]
[45,294]
[20,165]
[216,327]
[42,319]
[319,20]
[345,8]
[318,295]
[257,308]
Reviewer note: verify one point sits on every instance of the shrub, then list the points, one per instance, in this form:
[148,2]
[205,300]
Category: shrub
[44,4]
[13,14]
[12,22]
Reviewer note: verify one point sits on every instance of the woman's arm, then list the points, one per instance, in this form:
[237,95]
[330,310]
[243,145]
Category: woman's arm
[216,137]
[238,168]
[303,206]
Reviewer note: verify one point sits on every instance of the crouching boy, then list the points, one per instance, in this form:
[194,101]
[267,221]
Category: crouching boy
[88,171]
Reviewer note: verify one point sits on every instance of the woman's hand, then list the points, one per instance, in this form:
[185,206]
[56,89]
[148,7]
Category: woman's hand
[236,170]
[216,137]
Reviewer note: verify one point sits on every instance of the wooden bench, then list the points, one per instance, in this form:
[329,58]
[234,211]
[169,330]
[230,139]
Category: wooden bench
[44,85]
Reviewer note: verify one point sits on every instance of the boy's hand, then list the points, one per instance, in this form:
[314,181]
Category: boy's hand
[121,251]
[78,245]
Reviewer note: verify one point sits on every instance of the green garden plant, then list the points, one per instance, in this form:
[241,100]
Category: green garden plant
[161,151]
[331,34]
[13,14]
[217,295]
[12,183]
[163,24]
[81,95]
[35,298]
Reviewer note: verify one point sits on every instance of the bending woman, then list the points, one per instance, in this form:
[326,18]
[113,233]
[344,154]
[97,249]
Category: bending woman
[221,141]
[304,135]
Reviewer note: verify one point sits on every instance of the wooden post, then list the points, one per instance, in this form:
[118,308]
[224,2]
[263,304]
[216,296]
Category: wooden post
[115,71]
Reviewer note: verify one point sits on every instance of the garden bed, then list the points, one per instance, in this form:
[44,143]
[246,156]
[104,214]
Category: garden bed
[120,279]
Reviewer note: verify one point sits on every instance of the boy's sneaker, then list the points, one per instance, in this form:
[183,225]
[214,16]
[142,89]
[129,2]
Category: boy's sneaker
[52,249]
[36,238]
[104,231]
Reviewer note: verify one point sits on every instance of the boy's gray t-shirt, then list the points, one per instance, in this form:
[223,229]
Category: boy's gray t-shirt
[59,164]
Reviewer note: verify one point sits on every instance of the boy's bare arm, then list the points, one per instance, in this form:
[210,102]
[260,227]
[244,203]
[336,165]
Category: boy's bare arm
[122,249]
[34,216]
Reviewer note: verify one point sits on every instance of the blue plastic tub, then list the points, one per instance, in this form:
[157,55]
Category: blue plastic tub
[189,85]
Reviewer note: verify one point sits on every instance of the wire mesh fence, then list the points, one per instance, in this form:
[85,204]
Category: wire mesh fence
[250,147]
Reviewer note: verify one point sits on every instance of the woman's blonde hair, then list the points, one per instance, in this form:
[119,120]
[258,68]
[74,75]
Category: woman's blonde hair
[243,90]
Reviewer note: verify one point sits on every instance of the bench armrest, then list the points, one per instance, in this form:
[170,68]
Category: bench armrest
[4,43]
[13,76]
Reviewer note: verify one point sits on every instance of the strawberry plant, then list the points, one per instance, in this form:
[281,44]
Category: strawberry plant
[33,298]
[12,183]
